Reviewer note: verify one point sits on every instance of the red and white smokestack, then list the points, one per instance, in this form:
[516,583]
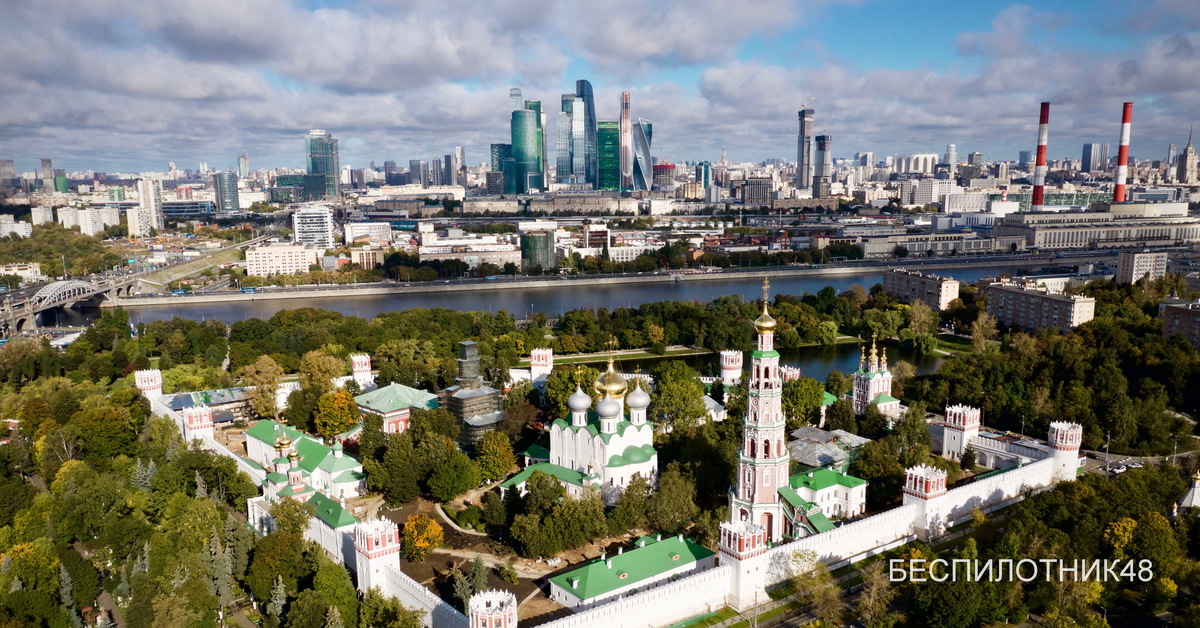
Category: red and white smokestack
[1039,169]
[1123,154]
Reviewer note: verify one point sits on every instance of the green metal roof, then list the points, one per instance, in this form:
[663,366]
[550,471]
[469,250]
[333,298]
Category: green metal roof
[643,563]
[331,512]
[827,399]
[884,398]
[269,432]
[823,478]
[562,474]
[349,476]
[395,397]
[794,500]
[764,354]
[537,451]
[820,522]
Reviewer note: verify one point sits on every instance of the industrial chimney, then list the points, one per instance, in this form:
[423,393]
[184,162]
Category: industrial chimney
[1123,154]
[1039,169]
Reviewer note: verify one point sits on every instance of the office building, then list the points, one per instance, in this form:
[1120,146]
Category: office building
[41,215]
[418,173]
[280,259]
[704,174]
[1124,225]
[373,232]
[297,188]
[822,178]
[1182,318]
[562,152]
[523,175]
[804,150]
[500,152]
[1023,159]
[1035,307]
[244,166]
[148,215]
[911,286]
[537,249]
[951,158]
[608,155]
[1133,266]
[226,186]
[391,173]
[8,173]
[436,172]
[47,174]
[643,165]
[313,225]
[460,166]
[590,132]
[515,101]
[539,121]
[322,151]
[626,147]
[1090,159]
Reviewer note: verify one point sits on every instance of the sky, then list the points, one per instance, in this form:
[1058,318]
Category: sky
[128,85]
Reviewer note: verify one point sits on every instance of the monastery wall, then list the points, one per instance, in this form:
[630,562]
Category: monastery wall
[957,503]
[659,606]
[412,595]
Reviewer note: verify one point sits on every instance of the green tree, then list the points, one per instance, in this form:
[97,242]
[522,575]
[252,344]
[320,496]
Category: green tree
[317,370]
[542,493]
[424,422]
[967,462]
[308,610]
[801,401]
[676,403]
[291,516]
[561,384]
[983,330]
[840,416]
[333,580]
[377,611]
[674,505]
[629,513]
[263,378]
[838,384]
[495,456]
[336,413]
[456,476]
[279,555]
[921,318]
[397,476]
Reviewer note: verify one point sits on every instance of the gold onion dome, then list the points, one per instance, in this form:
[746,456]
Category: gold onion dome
[764,323]
[610,384]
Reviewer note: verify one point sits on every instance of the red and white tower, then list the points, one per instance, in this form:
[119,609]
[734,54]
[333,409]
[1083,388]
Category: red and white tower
[149,381]
[376,547]
[197,422]
[360,367]
[1123,154]
[1065,440]
[731,367]
[763,460]
[492,609]
[541,362]
[925,486]
[1039,168]
[962,426]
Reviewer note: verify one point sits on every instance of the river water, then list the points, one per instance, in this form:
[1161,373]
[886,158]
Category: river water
[815,362]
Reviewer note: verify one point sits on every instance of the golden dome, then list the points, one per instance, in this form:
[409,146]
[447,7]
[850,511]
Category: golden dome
[610,384]
[764,323]
[293,455]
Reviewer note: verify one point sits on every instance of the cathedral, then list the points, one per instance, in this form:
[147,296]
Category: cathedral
[601,447]
[873,385]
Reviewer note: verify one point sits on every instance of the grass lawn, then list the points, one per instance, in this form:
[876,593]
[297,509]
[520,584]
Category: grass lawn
[953,344]
[595,358]
[790,606]
[710,619]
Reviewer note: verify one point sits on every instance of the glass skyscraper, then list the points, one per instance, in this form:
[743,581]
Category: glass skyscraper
[526,145]
[226,186]
[626,150]
[500,152]
[539,122]
[591,144]
[643,166]
[608,155]
[322,152]
[562,148]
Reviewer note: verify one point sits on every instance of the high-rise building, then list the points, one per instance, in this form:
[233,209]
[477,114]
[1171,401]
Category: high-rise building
[591,141]
[704,174]
[149,212]
[47,174]
[804,165]
[460,167]
[951,158]
[226,186]
[436,172]
[1185,172]
[643,165]
[1090,160]
[515,101]
[539,121]
[608,155]
[1023,158]
[500,152]
[418,172]
[313,225]
[244,166]
[562,152]
[525,174]
[626,148]
[8,174]
[975,159]
[391,173]
[1172,153]
[579,141]
[1102,164]
[823,177]
[322,151]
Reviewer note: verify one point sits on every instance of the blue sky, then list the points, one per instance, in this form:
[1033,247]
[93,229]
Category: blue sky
[124,85]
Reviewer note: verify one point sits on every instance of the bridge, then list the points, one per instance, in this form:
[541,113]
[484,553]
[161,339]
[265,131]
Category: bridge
[19,310]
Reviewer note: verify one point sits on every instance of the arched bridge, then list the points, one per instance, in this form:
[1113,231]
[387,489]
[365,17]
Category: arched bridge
[63,293]
[19,310]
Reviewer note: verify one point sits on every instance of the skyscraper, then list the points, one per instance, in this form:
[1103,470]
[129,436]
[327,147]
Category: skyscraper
[500,152]
[563,157]
[539,145]
[8,173]
[515,102]
[418,172]
[626,129]
[1185,173]
[436,172]
[952,158]
[322,151]
[526,143]
[226,186]
[704,174]
[822,178]
[244,166]
[591,161]
[1023,158]
[1102,164]
[1090,158]
[390,173]
[804,166]
[608,155]
[460,159]
[1172,152]
[643,165]
[579,172]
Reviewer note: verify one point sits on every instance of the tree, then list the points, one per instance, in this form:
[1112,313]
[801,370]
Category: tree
[967,462]
[377,611]
[561,384]
[983,330]
[875,598]
[816,587]
[333,580]
[424,422]
[677,401]
[421,535]
[457,475]
[837,383]
[277,556]
[263,378]
[517,417]
[308,610]
[921,318]
[675,502]
[801,401]
[336,413]
[479,573]
[291,516]
[495,456]
[840,416]
[542,493]
[397,475]
[629,513]
[873,424]
[495,512]
[317,370]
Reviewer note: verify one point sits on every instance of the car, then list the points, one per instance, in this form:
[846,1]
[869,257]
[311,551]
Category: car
[1135,465]
[1093,455]
[1120,469]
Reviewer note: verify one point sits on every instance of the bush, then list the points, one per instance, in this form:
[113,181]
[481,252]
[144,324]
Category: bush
[658,348]
[507,573]
[468,517]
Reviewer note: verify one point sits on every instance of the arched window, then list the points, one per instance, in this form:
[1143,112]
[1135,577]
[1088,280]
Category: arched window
[766,450]
[753,449]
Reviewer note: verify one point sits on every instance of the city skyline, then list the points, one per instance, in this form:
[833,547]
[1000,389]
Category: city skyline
[128,87]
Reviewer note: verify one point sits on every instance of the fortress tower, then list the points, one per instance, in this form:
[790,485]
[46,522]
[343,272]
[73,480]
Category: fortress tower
[926,486]
[731,367]
[149,381]
[962,425]
[376,546]
[1065,439]
[492,609]
[197,422]
[743,547]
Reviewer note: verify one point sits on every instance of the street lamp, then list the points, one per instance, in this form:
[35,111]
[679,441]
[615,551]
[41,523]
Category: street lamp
[1107,440]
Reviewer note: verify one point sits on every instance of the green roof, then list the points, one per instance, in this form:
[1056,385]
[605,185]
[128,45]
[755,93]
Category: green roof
[884,398]
[395,397]
[823,478]
[331,512]
[562,474]
[277,477]
[269,432]
[253,464]
[820,522]
[764,354]
[538,451]
[643,563]
[793,499]
[594,428]
[827,399]
[349,476]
